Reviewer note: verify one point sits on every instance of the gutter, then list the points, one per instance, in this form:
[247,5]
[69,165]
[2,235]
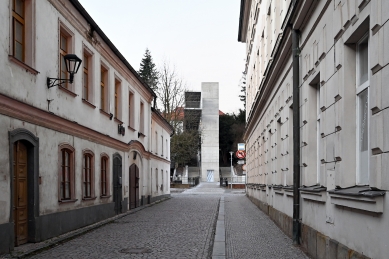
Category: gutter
[296,137]
[96,28]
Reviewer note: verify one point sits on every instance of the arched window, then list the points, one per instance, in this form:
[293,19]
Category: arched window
[66,173]
[88,191]
[104,176]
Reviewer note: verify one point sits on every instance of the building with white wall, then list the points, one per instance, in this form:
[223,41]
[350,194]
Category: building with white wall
[329,180]
[77,153]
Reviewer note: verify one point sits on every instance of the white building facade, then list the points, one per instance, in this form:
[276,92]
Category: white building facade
[342,58]
[78,153]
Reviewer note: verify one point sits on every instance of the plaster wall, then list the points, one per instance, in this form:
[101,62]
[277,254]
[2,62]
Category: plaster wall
[329,158]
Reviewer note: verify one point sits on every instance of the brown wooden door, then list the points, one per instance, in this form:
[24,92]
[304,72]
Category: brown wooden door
[20,212]
[134,186]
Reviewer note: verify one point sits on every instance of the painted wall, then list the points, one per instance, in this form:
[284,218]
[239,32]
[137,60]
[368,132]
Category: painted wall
[329,113]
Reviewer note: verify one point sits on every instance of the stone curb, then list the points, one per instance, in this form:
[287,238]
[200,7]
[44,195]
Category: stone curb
[40,247]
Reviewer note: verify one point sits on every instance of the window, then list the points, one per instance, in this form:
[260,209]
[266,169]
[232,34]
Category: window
[18,29]
[161,180]
[104,192]
[167,151]
[156,142]
[64,48]
[363,110]
[88,175]
[162,145]
[131,109]
[117,99]
[87,76]
[156,179]
[103,88]
[141,118]
[66,173]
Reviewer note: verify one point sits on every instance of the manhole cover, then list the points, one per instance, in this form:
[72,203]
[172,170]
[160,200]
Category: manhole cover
[141,250]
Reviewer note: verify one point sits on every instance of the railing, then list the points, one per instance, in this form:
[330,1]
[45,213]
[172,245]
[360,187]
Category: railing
[234,180]
[192,181]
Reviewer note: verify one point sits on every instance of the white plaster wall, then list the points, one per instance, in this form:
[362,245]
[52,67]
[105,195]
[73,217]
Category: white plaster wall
[210,130]
[17,83]
[325,52]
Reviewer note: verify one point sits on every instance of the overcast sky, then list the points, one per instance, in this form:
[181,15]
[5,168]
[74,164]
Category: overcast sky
[198,37]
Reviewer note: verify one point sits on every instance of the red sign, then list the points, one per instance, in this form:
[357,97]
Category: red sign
[240,154]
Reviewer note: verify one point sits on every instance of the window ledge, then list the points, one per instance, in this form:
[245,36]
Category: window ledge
[68,201]
[71,93]
[314,193]
[118,121]
[105,113]
[359,197]
[88,103]
[23,65]
[89,198]
[105,196]
[131,128]
[288,188]
[140,134]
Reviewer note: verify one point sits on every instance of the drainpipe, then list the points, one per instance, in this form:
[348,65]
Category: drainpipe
[296,138]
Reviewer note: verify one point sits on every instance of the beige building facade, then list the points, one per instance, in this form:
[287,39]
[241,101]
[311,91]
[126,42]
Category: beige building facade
[343,164]
[77,153]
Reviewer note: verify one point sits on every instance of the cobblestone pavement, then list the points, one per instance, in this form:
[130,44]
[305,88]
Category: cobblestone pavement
[181,227]
[251,234]
[184,227]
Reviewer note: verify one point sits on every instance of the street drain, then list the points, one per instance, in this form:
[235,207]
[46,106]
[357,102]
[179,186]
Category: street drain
[141,250]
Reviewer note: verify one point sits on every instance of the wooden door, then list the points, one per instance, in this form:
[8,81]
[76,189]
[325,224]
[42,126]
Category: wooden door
[20,212]
[117,184]
[134,186]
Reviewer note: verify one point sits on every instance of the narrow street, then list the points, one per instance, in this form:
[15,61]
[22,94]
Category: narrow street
[184,226]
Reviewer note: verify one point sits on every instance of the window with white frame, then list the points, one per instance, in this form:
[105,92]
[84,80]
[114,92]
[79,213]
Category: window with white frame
[363,83]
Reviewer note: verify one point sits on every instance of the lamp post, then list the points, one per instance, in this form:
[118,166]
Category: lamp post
[72,64]
[231,168]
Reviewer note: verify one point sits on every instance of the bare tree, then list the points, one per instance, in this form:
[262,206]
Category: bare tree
[171,95]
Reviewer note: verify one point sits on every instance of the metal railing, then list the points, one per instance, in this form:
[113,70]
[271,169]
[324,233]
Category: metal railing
[192,181]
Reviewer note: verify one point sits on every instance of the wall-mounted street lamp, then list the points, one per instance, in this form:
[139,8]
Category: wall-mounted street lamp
[72,63]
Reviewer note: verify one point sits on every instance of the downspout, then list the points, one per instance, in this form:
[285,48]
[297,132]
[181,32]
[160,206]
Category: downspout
[296,138]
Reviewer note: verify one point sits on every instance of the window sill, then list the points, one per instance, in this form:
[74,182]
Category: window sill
[67,91]
[359,197]
[117,120]
[23,65]
[89,198]
[105,196]
[140,134]
[314,193]
[68,201]
[131,128]
[105,113]
[88,103]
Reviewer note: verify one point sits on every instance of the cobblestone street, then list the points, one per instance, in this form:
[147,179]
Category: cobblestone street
[184,227]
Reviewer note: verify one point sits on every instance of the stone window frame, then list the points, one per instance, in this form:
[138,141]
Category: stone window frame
[66,147]
[88,154]
[105,157]
[64,31]
[29,31]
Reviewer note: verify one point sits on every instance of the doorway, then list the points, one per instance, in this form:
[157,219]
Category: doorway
[20,186]
[134,186]
[117,183]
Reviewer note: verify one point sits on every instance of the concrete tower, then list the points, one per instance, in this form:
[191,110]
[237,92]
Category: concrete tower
[210,132]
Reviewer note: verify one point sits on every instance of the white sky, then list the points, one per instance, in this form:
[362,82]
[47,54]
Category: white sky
[198,37]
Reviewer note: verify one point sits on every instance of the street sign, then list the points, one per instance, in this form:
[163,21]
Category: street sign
[241,146]
[240,154]
[241,162]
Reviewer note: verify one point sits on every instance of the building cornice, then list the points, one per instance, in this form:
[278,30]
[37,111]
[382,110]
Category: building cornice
[25,112]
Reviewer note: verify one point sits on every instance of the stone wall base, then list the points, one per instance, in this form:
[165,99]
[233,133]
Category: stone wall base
[314,243]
